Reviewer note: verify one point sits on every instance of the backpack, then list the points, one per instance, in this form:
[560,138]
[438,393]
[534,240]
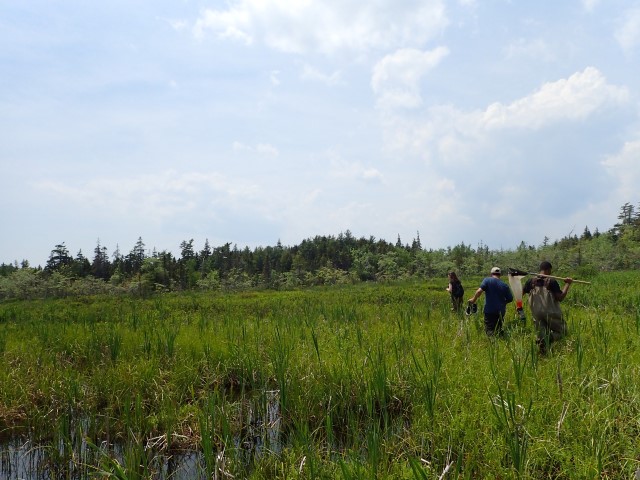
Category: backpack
[458,290]
[542,301]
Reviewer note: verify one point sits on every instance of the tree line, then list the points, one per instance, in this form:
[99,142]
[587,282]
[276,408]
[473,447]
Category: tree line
[321,260]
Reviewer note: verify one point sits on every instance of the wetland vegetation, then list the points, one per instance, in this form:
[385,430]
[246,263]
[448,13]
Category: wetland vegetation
[362,381]
[338,358]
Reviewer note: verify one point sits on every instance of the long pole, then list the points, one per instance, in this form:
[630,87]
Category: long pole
[558,278]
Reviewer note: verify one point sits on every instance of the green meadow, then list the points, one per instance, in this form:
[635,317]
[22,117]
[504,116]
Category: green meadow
[361,381]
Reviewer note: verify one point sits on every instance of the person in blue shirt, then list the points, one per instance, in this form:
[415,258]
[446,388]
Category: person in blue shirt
[498,294]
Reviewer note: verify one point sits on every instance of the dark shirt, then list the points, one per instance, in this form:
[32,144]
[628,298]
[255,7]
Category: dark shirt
[456,289]
[554,286]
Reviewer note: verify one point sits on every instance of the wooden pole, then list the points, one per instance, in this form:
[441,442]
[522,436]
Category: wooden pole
[558,278]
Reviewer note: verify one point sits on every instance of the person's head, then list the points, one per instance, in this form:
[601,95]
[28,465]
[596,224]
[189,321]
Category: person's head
[545,267]
[495,271]
[453,276]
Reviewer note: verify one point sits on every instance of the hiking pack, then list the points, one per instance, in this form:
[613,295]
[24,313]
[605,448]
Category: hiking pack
[458,289]
[542,301]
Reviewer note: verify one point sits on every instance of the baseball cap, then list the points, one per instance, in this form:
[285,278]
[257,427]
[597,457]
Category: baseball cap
[496,270]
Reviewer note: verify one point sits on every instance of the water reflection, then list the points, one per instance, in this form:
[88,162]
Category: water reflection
[22,460]
[74,458]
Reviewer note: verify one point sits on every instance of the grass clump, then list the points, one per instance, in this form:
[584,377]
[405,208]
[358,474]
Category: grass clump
[365,381]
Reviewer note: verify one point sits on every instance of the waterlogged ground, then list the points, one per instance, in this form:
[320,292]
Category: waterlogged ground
[74,455]
[20,459]
[367,381]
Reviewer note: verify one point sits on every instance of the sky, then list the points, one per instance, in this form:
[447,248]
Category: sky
[257,121]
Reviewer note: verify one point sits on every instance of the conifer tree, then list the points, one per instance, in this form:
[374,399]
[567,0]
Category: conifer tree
[100,267]
[58,258]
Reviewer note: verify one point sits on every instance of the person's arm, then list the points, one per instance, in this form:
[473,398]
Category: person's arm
[476,295]
[565,289]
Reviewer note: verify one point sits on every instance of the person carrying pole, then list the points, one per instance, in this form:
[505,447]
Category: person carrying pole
[544,300]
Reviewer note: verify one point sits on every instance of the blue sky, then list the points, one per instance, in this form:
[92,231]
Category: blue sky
[253,121]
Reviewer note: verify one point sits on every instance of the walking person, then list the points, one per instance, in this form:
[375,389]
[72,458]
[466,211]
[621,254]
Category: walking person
[544,300]
[498,294]
[456,290]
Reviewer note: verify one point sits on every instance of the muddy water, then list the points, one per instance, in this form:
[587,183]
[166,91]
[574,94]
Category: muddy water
[75,459]
[22,460]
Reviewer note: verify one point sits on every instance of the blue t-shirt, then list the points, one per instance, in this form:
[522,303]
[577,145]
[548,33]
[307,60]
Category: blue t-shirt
[498,295]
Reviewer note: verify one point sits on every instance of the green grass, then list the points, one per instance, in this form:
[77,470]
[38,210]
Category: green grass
[371,381]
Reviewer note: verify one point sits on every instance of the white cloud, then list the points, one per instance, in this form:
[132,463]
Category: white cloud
[353,170]
[274,76]
[261,149]
[312,196]
[452,136]
[175,23]
[628,34]
[326,26]
[537,49]
[154,196]
[312,74]
[625,168]
[466,158]
[396,78]
[178,24]
[573,98]
[590,5]
[371,174]
[267,149]
[232,24]
[466,143]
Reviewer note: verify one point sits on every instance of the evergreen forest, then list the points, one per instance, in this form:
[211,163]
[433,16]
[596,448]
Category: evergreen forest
[321,260]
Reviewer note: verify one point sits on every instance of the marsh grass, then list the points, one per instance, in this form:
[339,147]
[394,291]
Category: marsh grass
[365,381]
